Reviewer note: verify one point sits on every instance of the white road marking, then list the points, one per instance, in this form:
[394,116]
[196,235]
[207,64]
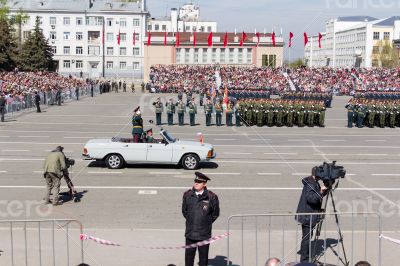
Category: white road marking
[327,154]
[334,140]
[280,153]
[298,139]
[222,173]
[237,153]
[371,154]
[213,188]
[4,136]
[22,159]
[90,137]
[375,140]
[33,136]
[3,171]
[269,174]
[300,173]
[42,143]
[147,192]
[106,173]
[15,150]
[224,139]
[165,173]
[304,146]
[302,162]
[385,174]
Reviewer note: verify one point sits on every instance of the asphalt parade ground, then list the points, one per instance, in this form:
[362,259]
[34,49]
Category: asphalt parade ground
[257,171]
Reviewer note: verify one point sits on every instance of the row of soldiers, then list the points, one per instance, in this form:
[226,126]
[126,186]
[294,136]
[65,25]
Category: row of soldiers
[279,112]
[308,96]
[373,112]
[387,95]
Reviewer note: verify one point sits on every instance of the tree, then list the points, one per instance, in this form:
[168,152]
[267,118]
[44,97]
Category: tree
[20,18]
[36,54]
[297,63]
[4,10]
[7,46]
[384,54]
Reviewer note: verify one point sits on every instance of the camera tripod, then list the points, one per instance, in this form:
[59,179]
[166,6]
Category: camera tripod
[316,258]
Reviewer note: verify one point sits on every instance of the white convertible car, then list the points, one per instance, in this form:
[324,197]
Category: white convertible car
[117,152]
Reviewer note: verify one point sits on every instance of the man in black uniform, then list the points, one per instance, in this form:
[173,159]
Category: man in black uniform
[37,102]
[2,107]
[200,207]
[310,202]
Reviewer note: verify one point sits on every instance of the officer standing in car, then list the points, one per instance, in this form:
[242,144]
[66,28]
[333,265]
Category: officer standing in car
[200,207]
[137,125]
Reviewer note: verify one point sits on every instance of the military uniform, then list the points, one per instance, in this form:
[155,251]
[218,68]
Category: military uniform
[170,112]
[208,108]
[229,114]
[181,109]
[218,114]
[350,114]
[137,127]
[159,109]
[192,112]
[54,167]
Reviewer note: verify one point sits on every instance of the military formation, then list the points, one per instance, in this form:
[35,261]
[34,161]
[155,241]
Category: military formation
[308,96]
[370,112]
[280,112]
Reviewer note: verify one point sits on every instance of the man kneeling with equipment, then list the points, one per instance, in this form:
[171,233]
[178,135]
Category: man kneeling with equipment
[54,167]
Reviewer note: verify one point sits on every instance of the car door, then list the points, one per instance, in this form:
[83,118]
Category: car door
[134,152]
[159,152]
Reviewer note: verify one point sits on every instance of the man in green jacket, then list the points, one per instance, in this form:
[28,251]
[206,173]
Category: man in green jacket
[137,125]
[54,167]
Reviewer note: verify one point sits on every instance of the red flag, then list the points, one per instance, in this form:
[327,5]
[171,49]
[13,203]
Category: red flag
[244,36]
[194,39]
[226,99]
[177,40]
[226,39]
[165,38]
[319,40]
[258,38]
[210,40]
[119,37]
[290,39]
[273,39]
[149,38]
[305,39]
[134,38]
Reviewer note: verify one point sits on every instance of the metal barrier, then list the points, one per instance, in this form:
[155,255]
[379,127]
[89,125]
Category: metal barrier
[255,237]
[26,102]
[40,242]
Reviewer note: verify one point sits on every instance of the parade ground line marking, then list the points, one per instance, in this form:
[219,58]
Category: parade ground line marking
[305,174]
[4,136]
[269,174]
[334,140]
[280,153]
[90,137]
[165,173]
[371,154]
[375,140]
[33,136]
[327,154]
[3,171]
[207,173]
[385,174]
[237,153]
[106,173]
[224,139]
[15,150]
[147,192]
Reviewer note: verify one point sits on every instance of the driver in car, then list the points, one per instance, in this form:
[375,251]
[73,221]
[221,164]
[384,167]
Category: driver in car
[149,136]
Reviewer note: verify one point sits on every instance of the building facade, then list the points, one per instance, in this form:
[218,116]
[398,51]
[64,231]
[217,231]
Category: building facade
[186,19]
[249,53]
[84,35]
[351,42]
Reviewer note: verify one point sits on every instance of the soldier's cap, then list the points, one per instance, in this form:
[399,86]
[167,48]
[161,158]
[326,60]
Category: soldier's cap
[59,148]
[136,109]
[201,178]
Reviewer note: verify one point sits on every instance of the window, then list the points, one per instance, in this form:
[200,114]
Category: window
[66,36]
[122,51]
[122,65]
[53,20]
[93,36]
[79,50]
[376,35]
[187,55]
[204,59]
[122,22]
[110,65]
[67,50]
[209,29]
[386,35]
[110,51]
[231,53]
[79,36]
[53,35]
[249,55]
[178,55]
[196,55]
[110,37]
[54,49]
[26,34]
[136,22]
[240,55]
[135,65]
[136,51]
[40,20]
[187,28]
[67,21]
[79,64]
[109,22]
[79,21]
[67,64]
[93,50]
[95,21]
[156,27]
[164,27]
[222,56]
[123,37]
[149,27]
[214,55]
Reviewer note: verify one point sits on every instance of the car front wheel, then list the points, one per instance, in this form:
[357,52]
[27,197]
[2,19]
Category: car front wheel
[114,161]
[190,162]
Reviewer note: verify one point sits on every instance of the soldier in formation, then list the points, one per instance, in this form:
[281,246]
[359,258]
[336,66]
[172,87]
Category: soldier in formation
[325,97]
[170,106]
[159,109]
[279,112]
[181,110]
[192,112]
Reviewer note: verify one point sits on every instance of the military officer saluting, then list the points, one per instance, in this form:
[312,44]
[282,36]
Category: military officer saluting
[159,109]
[208,108]
[170,112]
[350,114]
[229,114]
[218,113]
[137,125]
[181,112]
[192,112]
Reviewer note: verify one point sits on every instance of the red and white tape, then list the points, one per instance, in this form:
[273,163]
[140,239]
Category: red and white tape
[195,245]
[397,241]
[98,240]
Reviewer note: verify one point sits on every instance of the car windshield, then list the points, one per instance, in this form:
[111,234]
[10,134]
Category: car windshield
[168,137]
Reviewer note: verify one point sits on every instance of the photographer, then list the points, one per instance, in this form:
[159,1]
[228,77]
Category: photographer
[310,202]
[54,168]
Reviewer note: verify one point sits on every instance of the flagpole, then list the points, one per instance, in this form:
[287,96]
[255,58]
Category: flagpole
[290,56]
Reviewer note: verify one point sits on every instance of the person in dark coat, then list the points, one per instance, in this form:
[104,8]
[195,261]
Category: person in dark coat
[137,125]
[200,207]
[310,202]
[37,102]
[58,96]
[2,107]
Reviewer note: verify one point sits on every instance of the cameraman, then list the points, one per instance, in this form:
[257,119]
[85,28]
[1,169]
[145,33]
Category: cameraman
[310,202]
[54,168]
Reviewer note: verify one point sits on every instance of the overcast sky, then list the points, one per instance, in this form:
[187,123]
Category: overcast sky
[290,15]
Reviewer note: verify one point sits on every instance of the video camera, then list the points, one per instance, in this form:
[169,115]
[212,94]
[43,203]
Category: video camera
[329,172]
[69,162]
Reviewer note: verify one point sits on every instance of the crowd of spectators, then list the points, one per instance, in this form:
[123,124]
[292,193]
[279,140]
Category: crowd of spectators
[174,78]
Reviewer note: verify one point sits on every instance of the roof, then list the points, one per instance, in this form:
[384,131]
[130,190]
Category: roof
[356,19]
[388,22]
[74,5]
